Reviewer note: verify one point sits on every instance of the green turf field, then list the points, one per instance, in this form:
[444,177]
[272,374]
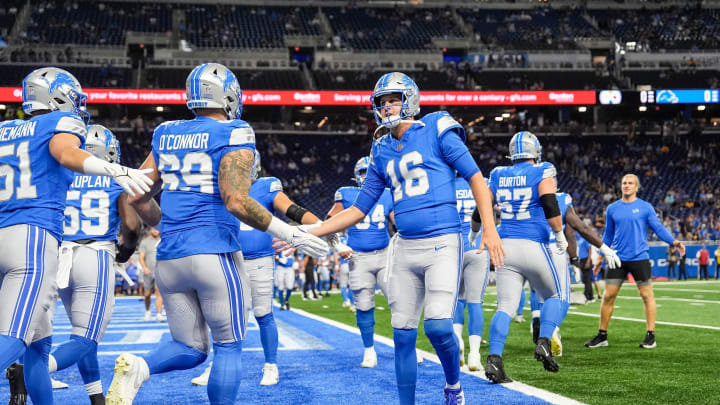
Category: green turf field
[683,369]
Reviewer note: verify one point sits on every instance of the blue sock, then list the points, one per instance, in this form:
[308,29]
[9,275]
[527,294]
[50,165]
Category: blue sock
[550,317]
[226,372]
[280,296]
[89,367]
[565,307]
[268,337]
[287,295]
[459,312]
[344,293]
[35,369]
[12,349]
[499,328]
[535,304]
[71,351]
[275,292]
[521,307]
[352,297]
[476,319]
[366,324]
[173,355]
[441,335]
[405,364]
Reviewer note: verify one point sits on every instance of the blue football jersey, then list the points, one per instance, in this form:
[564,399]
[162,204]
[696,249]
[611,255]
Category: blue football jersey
[371,233]
[188,154]
[257,243]
[285,261]
[564,202]
[343,240]
[465,206]
[516,192]
[421,181]
[92,211]
[32,183]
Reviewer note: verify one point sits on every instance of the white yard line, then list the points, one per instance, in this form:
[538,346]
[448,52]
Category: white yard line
[687,325]
[672,299]
[656,288]
[515,385]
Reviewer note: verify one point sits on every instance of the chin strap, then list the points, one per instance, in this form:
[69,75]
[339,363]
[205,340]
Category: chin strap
[384,126]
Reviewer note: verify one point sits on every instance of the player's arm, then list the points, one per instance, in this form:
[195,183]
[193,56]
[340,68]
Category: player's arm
[141,259]
[609,234]
[551,208]
[293,211]
[571,241]
[145,205]
[65,148]
[663,233]
[130,229]
[336,209]
[572,219]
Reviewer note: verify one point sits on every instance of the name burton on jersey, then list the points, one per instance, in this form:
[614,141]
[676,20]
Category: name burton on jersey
[184,141]
[20,131]
[514,181]
[91,181]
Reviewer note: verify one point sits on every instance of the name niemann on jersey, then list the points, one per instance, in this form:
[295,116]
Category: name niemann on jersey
[514,181]
[20,131]
[184,141]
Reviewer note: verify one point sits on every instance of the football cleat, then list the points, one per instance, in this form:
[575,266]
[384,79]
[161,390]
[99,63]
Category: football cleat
[495,371]
[474,363]
[543,353]
[202,379]
[58,385]
[271,375]
[16,380]
[369,358]
[97,399]
[454,397]
[556,343]
[535,329]
[148,316]
[519,318]
[597,341]
[160,318]
[649,342]
[130,372]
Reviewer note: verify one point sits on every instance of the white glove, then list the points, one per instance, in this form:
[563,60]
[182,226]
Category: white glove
[472,237]
[561,242]
[613,261]
[134,181]
[308,244]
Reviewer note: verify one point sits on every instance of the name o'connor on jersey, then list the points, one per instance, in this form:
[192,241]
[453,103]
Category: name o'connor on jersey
[91,182]
[184,141]
[515,181]
[20,131]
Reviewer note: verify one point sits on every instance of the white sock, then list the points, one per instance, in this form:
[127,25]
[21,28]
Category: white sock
[536,313]
[94,387]
[52,364]
[475,343]
[458,329]
[454,386]
[148,313]
[370,348]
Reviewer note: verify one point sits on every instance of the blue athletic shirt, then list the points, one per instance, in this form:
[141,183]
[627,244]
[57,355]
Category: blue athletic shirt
[255,243]
[188,154]
[91,211]
[626,229]
[420,171]
[564,202]
[516,192]
[583,246]
[285,261]
[32,183]
[371,233]
[465,206]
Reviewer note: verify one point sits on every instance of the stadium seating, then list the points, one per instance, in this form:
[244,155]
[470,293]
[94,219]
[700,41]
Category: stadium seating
[89,76]
[249,79]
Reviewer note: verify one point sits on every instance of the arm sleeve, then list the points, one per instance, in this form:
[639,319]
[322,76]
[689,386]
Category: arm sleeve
[370,191]
[456,154]
[658,227]
[609,228]
[71,124]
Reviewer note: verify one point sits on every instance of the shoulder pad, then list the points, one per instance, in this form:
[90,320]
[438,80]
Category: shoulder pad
[445,122]
[71,123]
[241,135]
[275,184]
[548,169]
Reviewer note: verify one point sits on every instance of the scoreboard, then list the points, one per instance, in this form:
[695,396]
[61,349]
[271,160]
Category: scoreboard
[663,96]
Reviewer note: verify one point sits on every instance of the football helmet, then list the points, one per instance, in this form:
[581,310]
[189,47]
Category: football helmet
[396,83]
[362,165]
[525,145]
[255,170]
[102,143]
[53,89]
[212,85]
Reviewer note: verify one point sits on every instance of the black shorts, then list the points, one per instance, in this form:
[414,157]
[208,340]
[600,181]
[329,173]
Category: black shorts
[640,269]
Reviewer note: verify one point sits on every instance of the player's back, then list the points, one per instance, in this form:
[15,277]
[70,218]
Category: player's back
[256,243]
[564,202]
[34,185]
[188,154]
[423,184]
[91,211]
[371,233]
[465,206]
[516,192]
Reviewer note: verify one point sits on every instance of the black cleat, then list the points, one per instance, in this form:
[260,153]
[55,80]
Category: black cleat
[97,399]
[543,353]
[495,371]
[16,380]
[287,305]
[598,341]
[649,342]
[535,329]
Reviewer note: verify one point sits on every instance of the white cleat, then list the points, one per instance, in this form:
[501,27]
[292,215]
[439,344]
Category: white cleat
[130,372]
[419,356]
[519,318]
[58,385]
[369,358]
[474,362]
[160,318]
[202,379]
[271,375]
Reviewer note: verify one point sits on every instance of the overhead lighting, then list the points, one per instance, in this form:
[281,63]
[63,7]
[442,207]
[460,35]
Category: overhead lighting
[701,108]
[159,108]
[3,106]
[582,109]
[307,108]
[498,118]
[506,115]
[642,108]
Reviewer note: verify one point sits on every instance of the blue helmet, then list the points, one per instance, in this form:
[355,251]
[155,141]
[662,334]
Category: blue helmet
[53,89]
[525,145]
[362,165]
[396,83]
[212,85]
[255,170]
[102,143]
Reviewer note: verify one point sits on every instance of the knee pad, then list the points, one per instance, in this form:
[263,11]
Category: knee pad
[365,318]
[265,320]
[364,299]
[438,329]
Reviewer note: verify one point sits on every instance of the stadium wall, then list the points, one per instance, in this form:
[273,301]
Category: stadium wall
[659,262]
